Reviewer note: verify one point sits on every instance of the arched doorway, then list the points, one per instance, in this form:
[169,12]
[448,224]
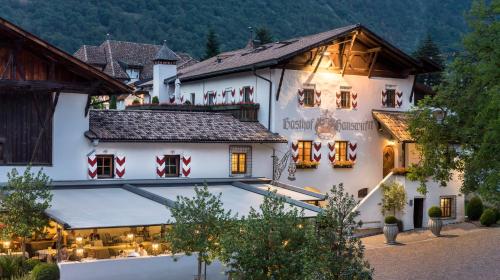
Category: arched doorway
[388,160]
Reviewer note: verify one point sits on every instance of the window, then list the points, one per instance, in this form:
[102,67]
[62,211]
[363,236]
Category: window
[105,166]
[211,98]
[133,73]
[240,160]
[238,163]
[172,165]
[305,148]
[227,93]
[246,95]
[308,97]
[390,98]
[341,150]
[345,99]
[193,98]
[447,209]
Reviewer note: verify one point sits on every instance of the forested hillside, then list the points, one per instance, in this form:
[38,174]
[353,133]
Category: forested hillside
[184,24]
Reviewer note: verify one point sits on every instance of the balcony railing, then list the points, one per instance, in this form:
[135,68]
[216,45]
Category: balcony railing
[247,112]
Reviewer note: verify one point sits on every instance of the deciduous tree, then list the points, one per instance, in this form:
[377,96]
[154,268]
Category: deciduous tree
[23,202]
[459,128]
[333,250]
[199,223]
[268,244]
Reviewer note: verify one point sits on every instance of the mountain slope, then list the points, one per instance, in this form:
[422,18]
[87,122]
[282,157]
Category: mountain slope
[71,23]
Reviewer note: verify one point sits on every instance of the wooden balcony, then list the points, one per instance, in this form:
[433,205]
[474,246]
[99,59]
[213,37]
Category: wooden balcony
[246,112]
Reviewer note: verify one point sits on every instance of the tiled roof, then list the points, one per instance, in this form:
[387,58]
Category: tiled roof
[115,56]
[262,54]
[396,123]
[178,127]
[165,53]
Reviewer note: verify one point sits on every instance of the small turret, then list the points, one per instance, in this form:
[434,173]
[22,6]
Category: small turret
[164,66]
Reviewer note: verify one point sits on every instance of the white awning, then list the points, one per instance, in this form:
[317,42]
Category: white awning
[286,192]
[233,198]
[104,208]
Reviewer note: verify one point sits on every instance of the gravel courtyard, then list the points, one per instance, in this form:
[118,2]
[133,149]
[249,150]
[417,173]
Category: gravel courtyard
[464,252]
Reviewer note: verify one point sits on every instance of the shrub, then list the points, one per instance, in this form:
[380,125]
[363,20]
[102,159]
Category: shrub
[488,217]
[475,208]
[434,212]
[45,271]
[29,264]
[497,213]
[10,266]
[390,220]
[155,100]
[400,225]
[136,102]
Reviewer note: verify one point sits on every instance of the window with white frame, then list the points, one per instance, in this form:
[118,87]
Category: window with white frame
[246,95]
[133,73]
[105,166]
[227,94]
[345,99]
[240,161]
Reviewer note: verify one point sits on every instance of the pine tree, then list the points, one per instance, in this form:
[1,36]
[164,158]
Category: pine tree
[112,102]
[263,35]
[469,102]
[428,49]
[212,44]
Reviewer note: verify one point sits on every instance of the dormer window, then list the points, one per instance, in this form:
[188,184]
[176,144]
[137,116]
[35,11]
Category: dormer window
[133,73]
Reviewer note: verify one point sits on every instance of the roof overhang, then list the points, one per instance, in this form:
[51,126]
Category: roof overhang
[53,53]
[417,66]
[395,123]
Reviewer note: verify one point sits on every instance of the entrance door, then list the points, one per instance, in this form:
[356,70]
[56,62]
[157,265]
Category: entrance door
[418,212]
[388,156]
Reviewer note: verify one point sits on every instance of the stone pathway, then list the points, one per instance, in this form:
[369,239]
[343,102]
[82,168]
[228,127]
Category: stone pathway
[465,251]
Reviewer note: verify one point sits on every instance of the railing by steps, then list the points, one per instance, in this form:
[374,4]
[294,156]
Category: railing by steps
[368,207]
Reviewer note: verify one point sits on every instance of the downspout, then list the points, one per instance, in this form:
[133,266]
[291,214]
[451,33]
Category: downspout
[270,96]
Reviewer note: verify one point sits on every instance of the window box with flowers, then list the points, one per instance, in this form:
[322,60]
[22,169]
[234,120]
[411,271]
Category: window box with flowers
[343,164]
[307,165]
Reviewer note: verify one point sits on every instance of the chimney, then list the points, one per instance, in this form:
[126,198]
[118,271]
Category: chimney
[164,67]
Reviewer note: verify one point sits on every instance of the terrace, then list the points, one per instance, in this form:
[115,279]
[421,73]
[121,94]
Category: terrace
[122,224]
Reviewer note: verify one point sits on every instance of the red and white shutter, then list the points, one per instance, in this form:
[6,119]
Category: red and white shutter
[354,101]
[205,98]
[224,93]
[295,151]
[241,96]
[182,99]
[300,97]
[399,99]
[216,98]
[233,96]
[331,153]
[353,146]
[186,165]
[251,94]
[172,98]
[338,99]
[317,151]
[119,166]
[317,98]
[384,98]
[92,166]
[160,166]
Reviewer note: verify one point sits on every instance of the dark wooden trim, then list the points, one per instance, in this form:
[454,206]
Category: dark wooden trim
[280,83]
[26,86]
[50,114]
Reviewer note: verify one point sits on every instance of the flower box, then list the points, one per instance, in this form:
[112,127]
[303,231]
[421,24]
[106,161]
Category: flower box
[307,165]
[343,164]
[400,171]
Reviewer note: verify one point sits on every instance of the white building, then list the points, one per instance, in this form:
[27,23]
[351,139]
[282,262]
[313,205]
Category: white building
[340,98]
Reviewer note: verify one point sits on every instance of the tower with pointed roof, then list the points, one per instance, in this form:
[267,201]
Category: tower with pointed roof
[164,67]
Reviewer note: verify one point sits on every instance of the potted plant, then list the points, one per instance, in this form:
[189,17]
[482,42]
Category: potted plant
[435,223]
[391,229]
